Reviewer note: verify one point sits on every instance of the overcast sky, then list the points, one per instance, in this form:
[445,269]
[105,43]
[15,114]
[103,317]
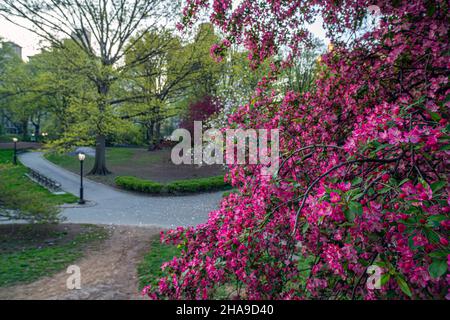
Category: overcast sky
[30,42]
[24,38]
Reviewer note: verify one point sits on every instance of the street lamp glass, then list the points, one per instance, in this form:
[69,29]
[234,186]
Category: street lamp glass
[15,139]
[81,156]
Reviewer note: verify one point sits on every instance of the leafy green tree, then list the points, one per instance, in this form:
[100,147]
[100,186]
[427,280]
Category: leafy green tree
[162,81]
[104,31]
[12,73]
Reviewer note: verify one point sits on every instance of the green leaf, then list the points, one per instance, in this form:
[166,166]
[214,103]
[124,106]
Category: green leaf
[381,264]
[424,183]
[305,227]
[384,278]
[438,185]
[356,181]
[358,196]
[349,215]
[403,285]
[355,207]
[439,254]
[435,116]
[437,218]
[431,9]
[384,190]
[432,236]
[437,268]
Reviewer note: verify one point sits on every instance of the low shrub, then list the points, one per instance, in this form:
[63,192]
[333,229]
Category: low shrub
[176,187]
[136,184]
[198,185]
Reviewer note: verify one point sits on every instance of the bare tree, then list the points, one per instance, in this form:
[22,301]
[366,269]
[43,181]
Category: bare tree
[104,29]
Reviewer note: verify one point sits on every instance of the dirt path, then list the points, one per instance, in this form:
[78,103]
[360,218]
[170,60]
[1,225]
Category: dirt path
[108,272]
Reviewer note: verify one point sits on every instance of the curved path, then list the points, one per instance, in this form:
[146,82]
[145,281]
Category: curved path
[123,208]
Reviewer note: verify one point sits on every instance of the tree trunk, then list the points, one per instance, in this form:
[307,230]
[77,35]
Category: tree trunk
[25,130]
[151,136]
[158,133]
[100,157]
[37,127]
[37,131]
[99,168]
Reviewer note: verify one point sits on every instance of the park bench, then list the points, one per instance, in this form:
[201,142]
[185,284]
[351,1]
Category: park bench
[51,185]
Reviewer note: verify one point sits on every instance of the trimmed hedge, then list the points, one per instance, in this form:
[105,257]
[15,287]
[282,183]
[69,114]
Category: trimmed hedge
[176,187]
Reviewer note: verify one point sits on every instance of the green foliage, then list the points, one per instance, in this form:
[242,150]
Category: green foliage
[438,268]
[22,199]
[34,261]
[227,193]
[115,156]
[176,187]
[198,185]
[136,184]
[149,270]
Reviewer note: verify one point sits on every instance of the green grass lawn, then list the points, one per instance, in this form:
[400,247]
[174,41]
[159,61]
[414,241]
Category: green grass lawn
[137,162]
[13,178]
[114,157]
[29,252]
[149,270]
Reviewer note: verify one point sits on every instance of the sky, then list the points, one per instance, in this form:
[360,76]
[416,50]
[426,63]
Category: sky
[30,42]
[24,38]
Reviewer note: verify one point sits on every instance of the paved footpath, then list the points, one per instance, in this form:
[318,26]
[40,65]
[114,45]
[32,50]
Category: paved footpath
[117,207]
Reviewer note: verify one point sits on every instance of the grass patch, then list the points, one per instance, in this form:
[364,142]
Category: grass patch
[137,162]
[149,270]
[67,162]
[13,179]
[176,187]
[114,157]
[29,252]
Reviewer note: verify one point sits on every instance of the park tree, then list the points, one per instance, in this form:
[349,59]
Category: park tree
[210,72]
[70,99]
[362,187]
[13,75]
[201,110]
[46,86]
[160,82]
[179,74]
[105,31]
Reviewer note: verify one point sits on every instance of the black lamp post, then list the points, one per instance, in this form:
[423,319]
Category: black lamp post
[81,157]
[15,140]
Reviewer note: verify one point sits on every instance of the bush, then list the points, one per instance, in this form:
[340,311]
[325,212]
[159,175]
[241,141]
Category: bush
[181,186]
[136,184]
[198,185]
[363,185]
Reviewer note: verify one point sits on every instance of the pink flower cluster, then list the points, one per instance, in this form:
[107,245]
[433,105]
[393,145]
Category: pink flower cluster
[364,173]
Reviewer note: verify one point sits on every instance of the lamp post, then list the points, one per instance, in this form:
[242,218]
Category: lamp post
[15,140]
[81,157]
